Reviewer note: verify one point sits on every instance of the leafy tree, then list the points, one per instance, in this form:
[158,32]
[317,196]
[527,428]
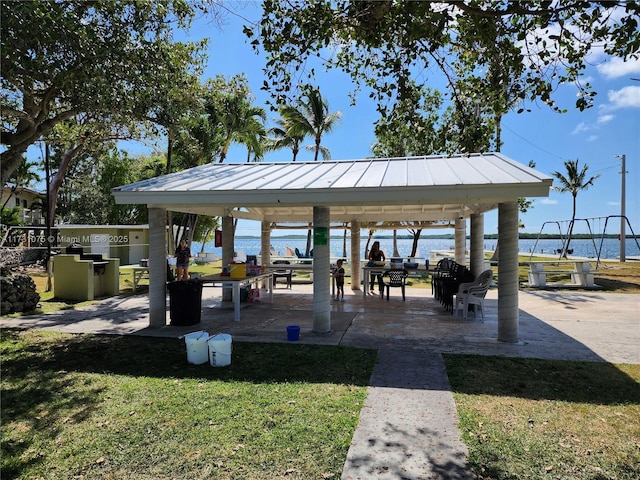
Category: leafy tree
[385,44]
[109,61]
[81,137]
[412,127]
[9,217]
[118,168]
[85,194]
[573,182]
[311,117]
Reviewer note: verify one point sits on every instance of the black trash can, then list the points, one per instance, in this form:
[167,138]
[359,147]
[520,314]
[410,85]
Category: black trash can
[185,302]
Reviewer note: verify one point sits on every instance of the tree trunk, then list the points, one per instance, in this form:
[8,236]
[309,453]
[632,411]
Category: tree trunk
[414,245]
[308,250]
[344,241]
[172,244]
[192,223]
[366,247]
[565,248]
[47,164]
[205,239]
[58,178]
[395,243]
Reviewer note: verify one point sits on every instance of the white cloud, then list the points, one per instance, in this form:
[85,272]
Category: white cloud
[592,138]
[605,118]
[548,201]
[616,67]
[626,97]
[581,127]
[613,204]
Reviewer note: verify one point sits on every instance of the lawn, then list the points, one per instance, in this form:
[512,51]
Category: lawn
[107,407]
[85,406]
[538,419]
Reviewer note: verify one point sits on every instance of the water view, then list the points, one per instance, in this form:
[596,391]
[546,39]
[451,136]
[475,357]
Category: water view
[609,248]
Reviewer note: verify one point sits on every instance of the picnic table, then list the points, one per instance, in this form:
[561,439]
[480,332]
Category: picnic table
[579,271]
[235,284]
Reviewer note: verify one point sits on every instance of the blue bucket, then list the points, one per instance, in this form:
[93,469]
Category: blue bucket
[293,333]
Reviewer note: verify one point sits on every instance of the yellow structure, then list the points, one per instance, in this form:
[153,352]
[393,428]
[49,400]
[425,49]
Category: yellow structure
[76,279]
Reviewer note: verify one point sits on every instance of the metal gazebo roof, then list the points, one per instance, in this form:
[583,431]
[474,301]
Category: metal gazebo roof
[425,188]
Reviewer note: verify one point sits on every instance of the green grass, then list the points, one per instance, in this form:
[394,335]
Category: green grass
[537,419]
[115,407]
[84,406]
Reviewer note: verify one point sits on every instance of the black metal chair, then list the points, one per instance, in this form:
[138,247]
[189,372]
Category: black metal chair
[286,274]
[395,278]
[449,287]
[444,270]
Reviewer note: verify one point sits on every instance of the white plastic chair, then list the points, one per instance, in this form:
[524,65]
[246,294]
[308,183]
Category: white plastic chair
[473,293]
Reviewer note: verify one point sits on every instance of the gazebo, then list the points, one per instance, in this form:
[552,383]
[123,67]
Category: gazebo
[444,189]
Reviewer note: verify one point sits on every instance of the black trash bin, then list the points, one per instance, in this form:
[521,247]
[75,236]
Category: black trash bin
[185,302]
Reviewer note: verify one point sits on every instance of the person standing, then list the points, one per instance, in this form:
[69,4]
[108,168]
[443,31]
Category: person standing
[376,255]
[183,257]
[338,275]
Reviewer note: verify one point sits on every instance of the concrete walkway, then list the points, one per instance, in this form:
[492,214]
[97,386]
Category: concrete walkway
[408,426]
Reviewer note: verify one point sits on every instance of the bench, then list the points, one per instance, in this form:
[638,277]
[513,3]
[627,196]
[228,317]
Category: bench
[581,274]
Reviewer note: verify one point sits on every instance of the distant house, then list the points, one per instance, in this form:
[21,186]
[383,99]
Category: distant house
[29,201]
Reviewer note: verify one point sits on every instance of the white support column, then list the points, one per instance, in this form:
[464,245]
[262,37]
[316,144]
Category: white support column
[265,246]
[460,240]
[265,242]
[227,251]
[321,274]
[477,243]
[157,267]
[508,314]
[356,255]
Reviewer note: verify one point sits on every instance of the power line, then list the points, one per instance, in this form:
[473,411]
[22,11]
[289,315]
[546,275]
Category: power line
[534,145]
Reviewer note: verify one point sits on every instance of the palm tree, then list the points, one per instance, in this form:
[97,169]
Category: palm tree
[283,138]
[573,182]
[311,118]
[254,138]
[236,121]
[24,176]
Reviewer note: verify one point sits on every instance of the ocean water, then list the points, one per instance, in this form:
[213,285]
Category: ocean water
[609,248]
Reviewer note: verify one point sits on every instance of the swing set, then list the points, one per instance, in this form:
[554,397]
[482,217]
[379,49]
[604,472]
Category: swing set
[565,239]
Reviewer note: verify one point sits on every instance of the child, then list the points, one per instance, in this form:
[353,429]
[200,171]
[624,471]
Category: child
[338,274]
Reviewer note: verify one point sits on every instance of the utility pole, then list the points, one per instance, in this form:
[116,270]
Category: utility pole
[623,218]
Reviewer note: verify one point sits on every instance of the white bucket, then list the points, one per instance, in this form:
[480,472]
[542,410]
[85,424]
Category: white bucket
[220,350]
[197,347]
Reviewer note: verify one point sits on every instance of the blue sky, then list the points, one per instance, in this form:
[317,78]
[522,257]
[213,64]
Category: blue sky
[594,137]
